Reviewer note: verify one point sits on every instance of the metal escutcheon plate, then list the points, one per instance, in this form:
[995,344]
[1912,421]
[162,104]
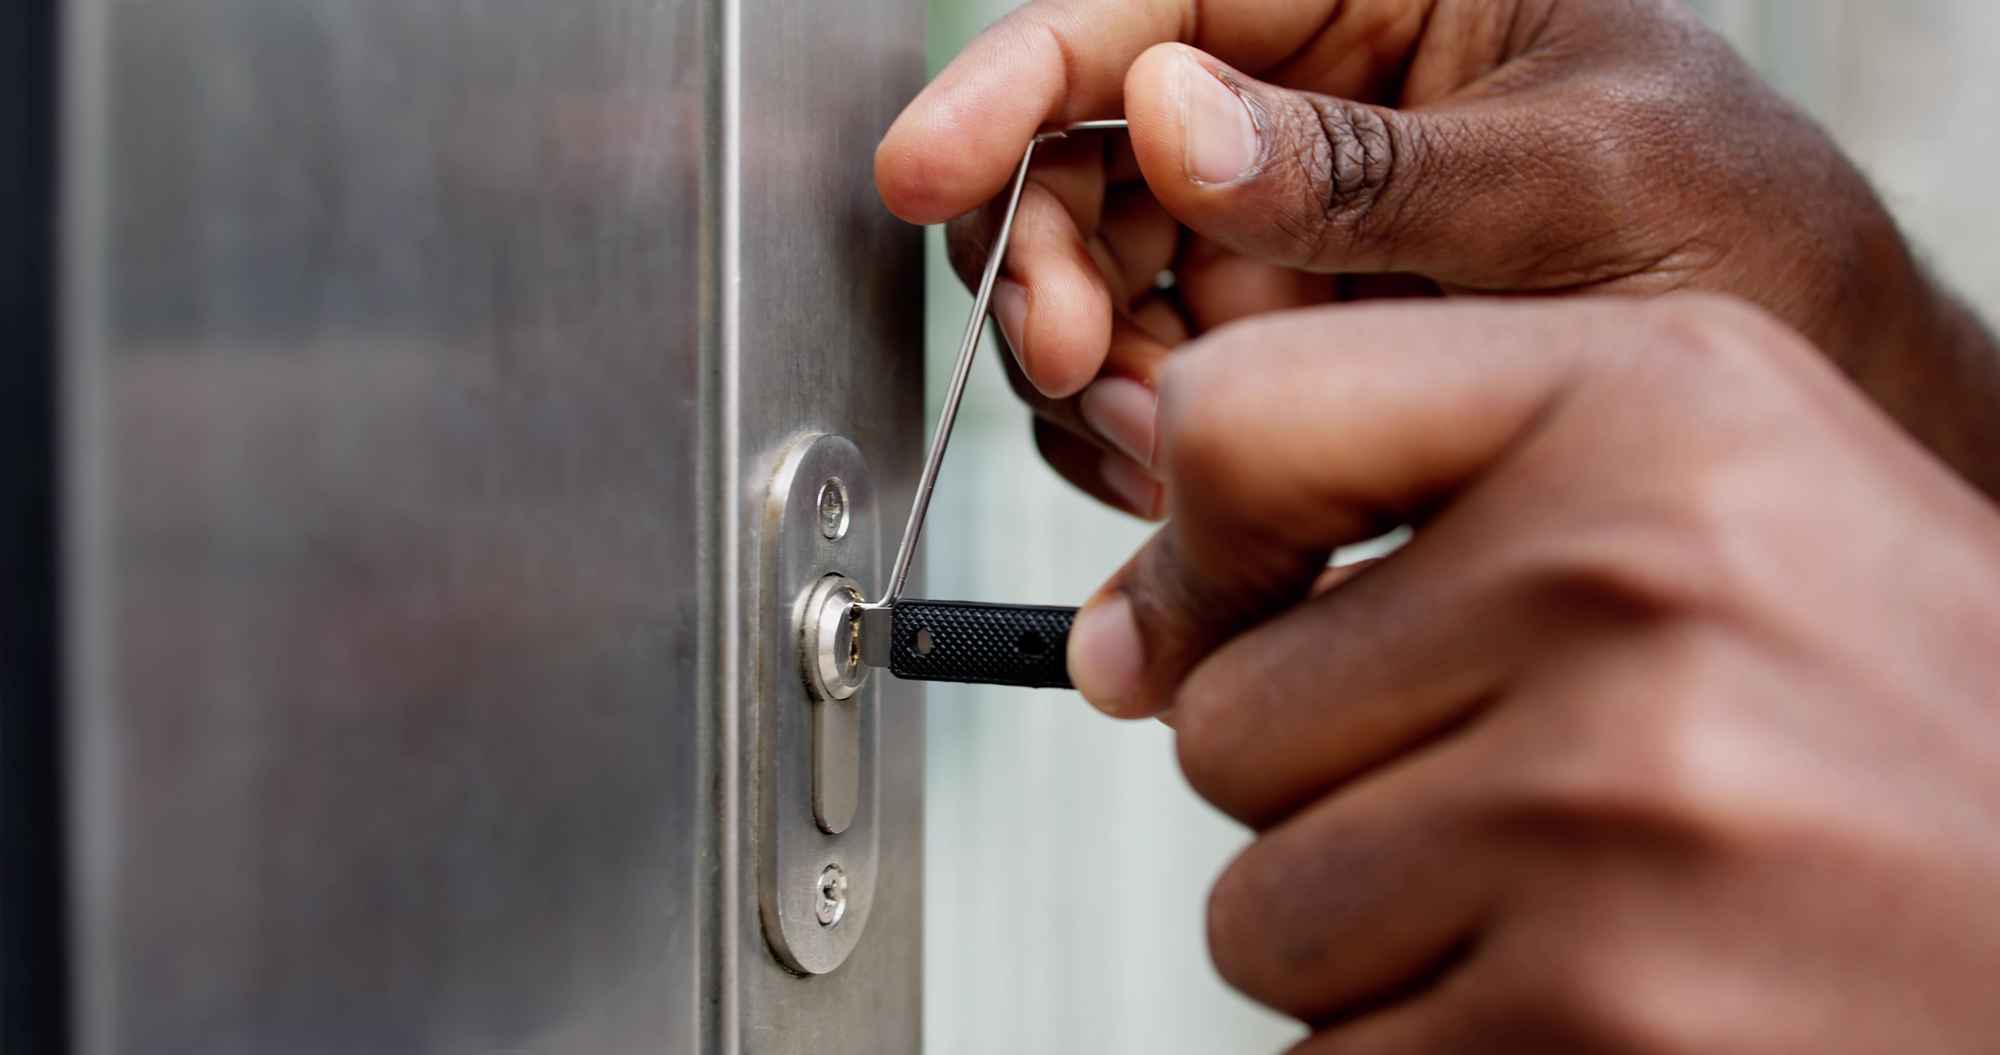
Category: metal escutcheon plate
[816,785]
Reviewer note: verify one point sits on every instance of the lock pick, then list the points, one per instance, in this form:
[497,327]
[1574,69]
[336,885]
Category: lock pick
[966,641]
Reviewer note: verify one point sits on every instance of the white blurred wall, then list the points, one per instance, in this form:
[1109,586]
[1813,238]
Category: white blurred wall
[1067,861]
[1911,89]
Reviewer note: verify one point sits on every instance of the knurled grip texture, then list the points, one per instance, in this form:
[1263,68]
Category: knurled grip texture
[981,644]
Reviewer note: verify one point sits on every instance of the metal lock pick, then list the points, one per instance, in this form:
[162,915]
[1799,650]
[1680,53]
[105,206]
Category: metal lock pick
[966,641]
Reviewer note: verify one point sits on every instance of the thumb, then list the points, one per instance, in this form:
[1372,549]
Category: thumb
[1286,437]
[1463,194]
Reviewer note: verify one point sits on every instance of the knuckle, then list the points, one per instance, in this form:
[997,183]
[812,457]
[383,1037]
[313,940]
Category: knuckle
[1168,601]
[1715,339]
[1699,537]
[1660,770]
[1236,925]
[1601,995]
[1699,321]
[1204,732]
[1201,409]
[1353,156]
[1709,553]
[1680,556]
[1193,430]
[1614,571]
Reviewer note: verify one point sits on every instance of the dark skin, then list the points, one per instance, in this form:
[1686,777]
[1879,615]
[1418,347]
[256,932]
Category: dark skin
[1457,146]
[1674,728]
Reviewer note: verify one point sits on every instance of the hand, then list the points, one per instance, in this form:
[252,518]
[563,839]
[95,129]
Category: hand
[1675,727]
[1328,151]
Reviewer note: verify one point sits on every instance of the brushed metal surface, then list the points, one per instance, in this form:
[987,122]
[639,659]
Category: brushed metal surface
[387,350]
[421,361]
[838,350]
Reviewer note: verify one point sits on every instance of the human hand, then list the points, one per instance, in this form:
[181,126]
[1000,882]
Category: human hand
[1331,151]
[1674,728]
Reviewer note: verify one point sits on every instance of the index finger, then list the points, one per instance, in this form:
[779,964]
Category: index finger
[1054,62]
[1045,63]
[1282,439]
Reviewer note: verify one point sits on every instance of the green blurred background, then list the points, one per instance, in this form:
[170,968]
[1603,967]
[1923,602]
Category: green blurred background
[1067,861]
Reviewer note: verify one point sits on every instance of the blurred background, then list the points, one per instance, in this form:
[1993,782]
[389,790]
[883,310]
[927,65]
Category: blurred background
[1067,862]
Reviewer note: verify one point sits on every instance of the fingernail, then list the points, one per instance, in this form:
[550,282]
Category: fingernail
[1218,138]
[1104,656]
[1010,310]
[1140,491]
[1121,410]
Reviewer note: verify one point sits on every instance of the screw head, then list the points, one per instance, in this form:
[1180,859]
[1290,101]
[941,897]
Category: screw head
[833,515]
[831,901]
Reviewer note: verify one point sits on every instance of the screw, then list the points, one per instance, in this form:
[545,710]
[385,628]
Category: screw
[833,509]
[832,901]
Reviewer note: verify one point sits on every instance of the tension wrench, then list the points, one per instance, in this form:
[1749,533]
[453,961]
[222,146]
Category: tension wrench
[966,641]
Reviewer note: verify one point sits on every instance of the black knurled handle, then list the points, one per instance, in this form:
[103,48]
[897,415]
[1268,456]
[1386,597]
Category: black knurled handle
[981,644]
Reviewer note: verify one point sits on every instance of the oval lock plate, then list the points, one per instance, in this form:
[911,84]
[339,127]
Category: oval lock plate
[816,783]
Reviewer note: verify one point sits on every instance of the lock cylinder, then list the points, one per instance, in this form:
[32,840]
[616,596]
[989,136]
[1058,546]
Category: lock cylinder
[830,638]
[830,653]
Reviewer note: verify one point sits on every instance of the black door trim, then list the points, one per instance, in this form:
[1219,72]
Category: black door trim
[33,932]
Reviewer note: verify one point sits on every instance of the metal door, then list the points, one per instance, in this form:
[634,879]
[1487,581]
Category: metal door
[422,370]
